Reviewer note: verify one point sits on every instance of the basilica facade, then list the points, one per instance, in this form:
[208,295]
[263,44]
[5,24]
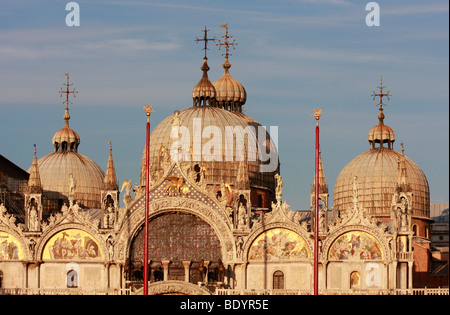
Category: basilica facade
[217,223]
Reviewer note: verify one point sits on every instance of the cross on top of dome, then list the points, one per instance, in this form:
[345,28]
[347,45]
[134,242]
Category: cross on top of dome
[226,42]
[67,91]
[381,94]
[205,39]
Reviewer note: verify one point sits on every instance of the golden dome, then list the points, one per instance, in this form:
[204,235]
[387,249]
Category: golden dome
[230,94]
[227,168]
[376,172]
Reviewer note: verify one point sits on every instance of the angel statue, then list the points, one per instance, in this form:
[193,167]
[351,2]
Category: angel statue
[127,185]
[127,197]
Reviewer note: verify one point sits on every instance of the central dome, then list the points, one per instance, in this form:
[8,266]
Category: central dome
[222,164]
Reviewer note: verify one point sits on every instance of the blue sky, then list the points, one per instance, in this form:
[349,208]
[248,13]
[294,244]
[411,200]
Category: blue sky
[292,56]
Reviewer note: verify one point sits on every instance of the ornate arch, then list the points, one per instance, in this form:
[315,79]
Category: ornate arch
[280,225]
[19,238]
[59,228]
[134,222]
[340,232]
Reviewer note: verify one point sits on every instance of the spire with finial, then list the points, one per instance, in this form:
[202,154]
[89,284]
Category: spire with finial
[34,181]
[402,172]
[231,94]
[66,139]
[381,133]
[204,92]
[323,187]
[110,180]
[66,90]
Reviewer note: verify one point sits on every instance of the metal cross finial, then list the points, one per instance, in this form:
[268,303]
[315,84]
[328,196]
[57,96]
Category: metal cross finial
[226,42]
[205,39]
[67,91]
[381,94]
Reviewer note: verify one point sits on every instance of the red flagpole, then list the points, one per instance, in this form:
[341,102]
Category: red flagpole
[149,110]
[316,212]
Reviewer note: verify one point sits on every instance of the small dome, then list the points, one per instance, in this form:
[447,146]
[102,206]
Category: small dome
[68,136]
[231,94]
[204,92]
[66,139]
[381,133]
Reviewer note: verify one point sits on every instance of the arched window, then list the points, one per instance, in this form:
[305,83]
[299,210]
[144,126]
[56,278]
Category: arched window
[278,279]
[72,279]
[355,280]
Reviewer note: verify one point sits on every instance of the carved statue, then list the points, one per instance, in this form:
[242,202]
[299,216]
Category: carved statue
[239,245]
[127,185]
[242,216]
[279,187]
[176,121]
[33,219]
[403,215]
[72,185]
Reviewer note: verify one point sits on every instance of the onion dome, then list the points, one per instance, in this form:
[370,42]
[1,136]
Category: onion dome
[377,173]
[204,92]
[66,139]
[381,133]
[231,94]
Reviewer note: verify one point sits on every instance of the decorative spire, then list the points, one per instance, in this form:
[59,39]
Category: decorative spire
[402,173]
[204,92]
[66,90]
[34,181]
[110,180]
